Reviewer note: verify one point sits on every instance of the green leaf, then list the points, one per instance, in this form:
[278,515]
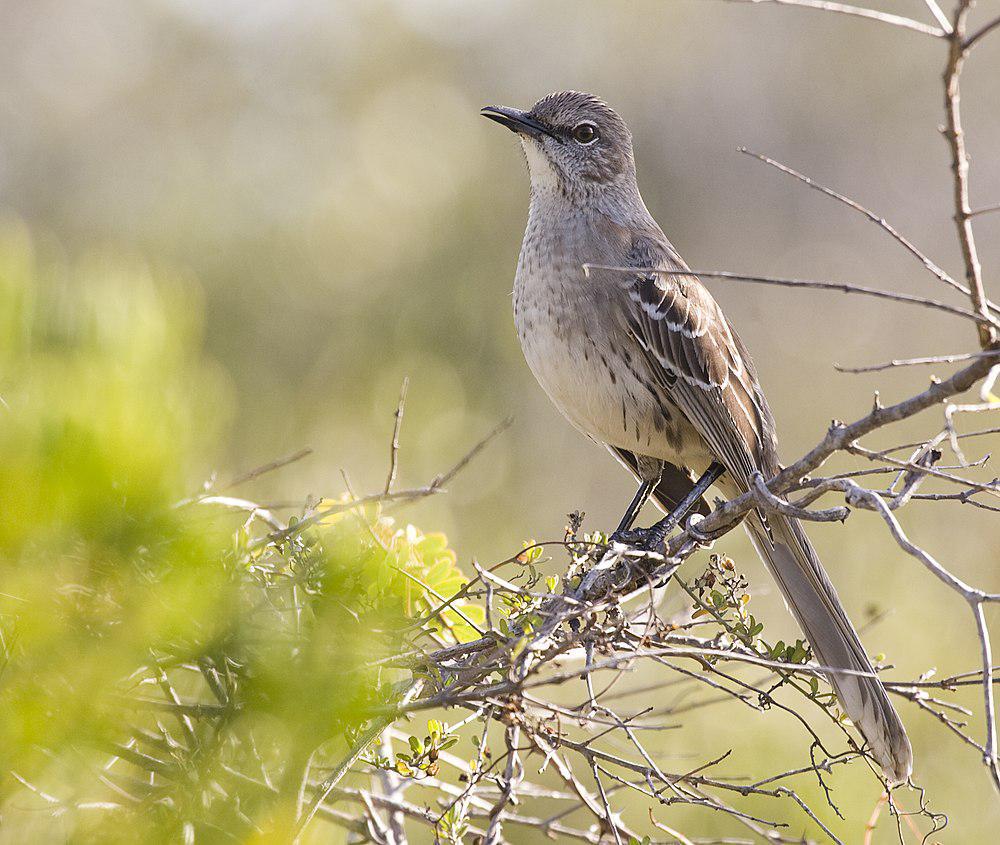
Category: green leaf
[519,646]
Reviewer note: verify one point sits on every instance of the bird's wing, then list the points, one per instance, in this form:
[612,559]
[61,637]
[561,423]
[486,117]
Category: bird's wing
[704,369]
[701,364]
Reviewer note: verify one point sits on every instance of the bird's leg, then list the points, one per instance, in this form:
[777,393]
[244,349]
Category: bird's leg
[652,538]
[645,490]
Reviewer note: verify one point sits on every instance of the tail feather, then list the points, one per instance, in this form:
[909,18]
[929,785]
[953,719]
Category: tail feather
[812,599]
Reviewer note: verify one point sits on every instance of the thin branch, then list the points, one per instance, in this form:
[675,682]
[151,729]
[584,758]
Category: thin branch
[990,751]
[979,34]
[857,11]
[939,15]
[988,209]
[436,485]
[973,596]
[879,221]
[252,508]
[263,469]
[914,362]
[840,287]
[955,136]
[394,443]
[366,739]
[512,776]
[855,449]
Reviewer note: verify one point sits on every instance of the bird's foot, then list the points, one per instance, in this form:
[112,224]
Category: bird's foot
[644,539]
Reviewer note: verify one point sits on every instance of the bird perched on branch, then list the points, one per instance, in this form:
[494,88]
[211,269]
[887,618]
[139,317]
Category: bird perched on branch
[635,352]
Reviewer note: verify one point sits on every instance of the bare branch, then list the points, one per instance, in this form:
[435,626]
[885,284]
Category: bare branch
[914,362]
[437,485]
[840,287]
[394,443]
[270,466]
[939,15]
[979,34]
[881,222]
[988,209]
[857,11]
[955,136]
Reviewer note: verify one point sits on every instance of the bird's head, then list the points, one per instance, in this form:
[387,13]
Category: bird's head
[575,143]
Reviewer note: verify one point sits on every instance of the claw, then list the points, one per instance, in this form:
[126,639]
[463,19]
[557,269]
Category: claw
[643,539]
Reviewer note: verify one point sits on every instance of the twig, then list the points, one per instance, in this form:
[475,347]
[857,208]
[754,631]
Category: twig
[986,209]
[436,485]
[263,469]
[979,34]
[973,596]
[512,736]
[915,362]
[955,135]
[367,738]
[252,508]
[879,221]
[394,443]
[856,11]
[939,15]
[840,287]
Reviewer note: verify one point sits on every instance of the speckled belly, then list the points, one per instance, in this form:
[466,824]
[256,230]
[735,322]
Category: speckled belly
[596,383]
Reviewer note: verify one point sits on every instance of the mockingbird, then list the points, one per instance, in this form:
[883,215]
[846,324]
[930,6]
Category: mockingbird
[646,363]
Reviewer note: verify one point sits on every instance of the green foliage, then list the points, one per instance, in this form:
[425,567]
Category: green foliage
[422,758]
[161,654]
[721,594]
[103,399]
[405,571]
[454,824]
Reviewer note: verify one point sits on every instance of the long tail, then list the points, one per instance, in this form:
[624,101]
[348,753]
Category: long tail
[793,563]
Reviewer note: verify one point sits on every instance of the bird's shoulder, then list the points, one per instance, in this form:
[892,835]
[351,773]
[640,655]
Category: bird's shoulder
[648,267]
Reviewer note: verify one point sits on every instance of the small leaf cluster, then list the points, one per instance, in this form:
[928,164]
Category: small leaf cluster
[454,824]
[519,609]
[422,758]
[723,593]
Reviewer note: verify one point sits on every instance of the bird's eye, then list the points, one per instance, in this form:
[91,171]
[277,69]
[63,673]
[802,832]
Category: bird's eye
[585,133]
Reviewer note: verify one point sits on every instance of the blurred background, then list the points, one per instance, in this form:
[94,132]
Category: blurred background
[312,181]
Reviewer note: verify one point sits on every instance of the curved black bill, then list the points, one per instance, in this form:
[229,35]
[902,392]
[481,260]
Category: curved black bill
[516,120]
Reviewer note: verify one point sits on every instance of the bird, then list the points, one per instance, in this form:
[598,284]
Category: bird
[636,353]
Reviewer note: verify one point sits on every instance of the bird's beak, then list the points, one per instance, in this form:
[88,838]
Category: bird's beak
[516,121]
